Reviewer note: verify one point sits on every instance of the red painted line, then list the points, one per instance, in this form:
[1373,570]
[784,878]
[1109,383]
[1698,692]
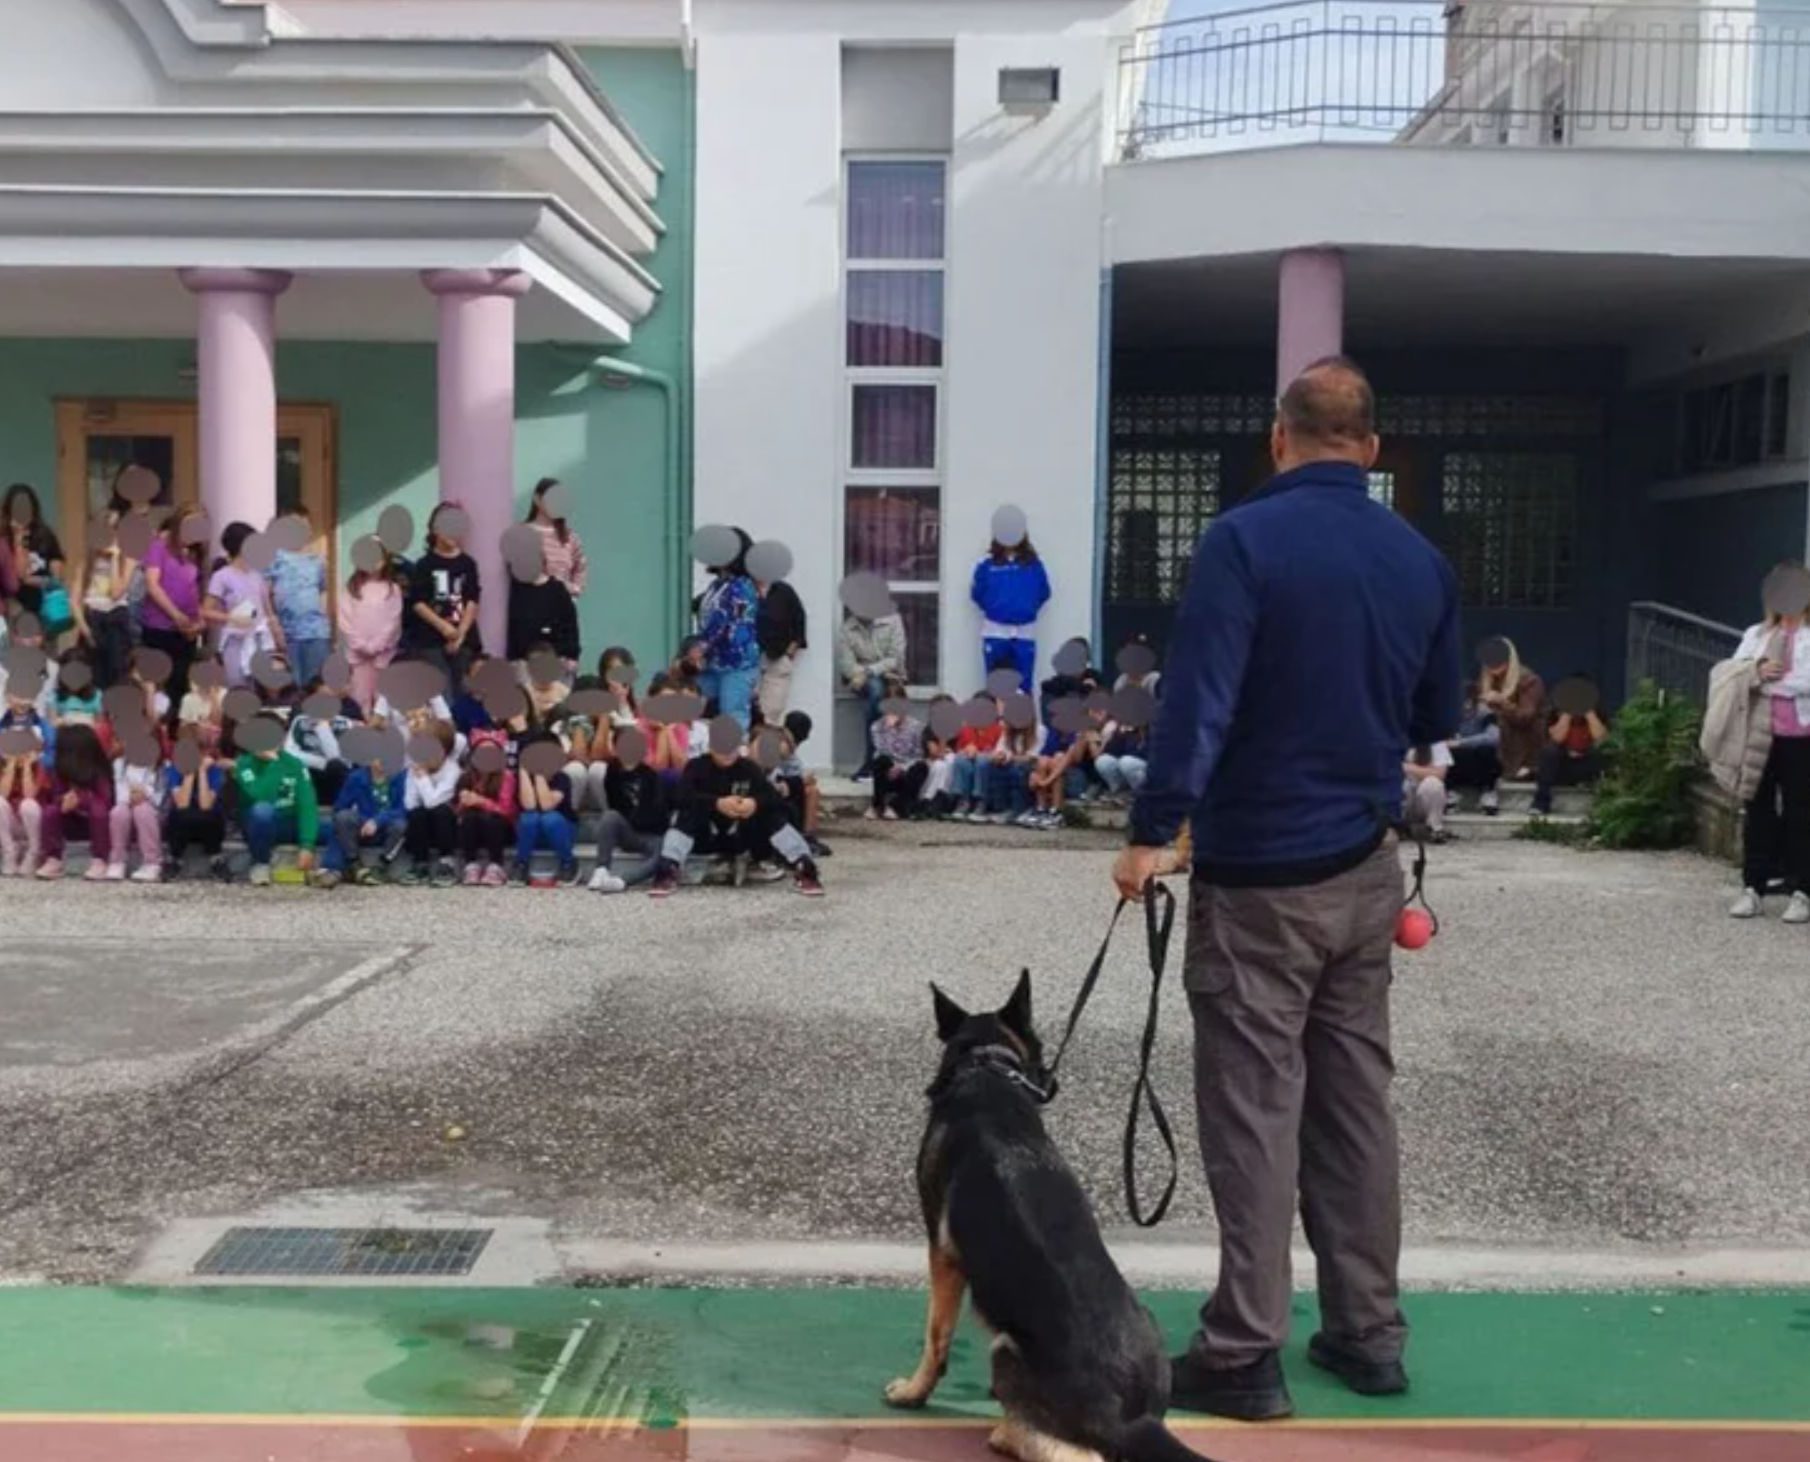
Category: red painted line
[103,1441]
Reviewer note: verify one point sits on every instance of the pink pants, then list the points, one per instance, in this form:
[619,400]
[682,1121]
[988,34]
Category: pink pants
[21,831]
[95,809]
[365,672]
[142,816]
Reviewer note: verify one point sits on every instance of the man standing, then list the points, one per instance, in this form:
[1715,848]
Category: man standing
[1317,642]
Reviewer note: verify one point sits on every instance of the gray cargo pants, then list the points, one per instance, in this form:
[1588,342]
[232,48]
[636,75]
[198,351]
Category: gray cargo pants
[1289,989]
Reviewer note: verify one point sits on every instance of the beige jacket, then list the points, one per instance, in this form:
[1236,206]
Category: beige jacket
[1737,728]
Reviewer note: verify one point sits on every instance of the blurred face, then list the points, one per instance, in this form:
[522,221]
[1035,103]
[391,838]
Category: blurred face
[724,758]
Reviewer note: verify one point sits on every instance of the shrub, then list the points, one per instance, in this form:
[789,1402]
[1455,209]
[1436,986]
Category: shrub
[1644,798]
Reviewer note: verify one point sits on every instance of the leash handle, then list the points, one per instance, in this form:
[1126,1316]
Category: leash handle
[1417,894]
[1159,925]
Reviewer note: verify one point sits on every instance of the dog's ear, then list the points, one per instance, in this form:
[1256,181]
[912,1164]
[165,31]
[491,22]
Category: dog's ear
[949,1015]
[1015,1014]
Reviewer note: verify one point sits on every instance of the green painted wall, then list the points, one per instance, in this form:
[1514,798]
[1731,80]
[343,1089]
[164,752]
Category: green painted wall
[606,439]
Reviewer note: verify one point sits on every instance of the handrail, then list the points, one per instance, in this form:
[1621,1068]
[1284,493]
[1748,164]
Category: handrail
[1653,606]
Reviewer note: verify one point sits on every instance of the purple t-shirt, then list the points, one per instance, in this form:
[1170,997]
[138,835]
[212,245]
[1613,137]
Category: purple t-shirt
[181,584]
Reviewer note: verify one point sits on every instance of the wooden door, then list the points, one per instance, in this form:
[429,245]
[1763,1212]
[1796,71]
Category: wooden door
[98,438]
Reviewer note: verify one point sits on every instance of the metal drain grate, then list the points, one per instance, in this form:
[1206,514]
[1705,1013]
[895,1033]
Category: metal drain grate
[326,1253]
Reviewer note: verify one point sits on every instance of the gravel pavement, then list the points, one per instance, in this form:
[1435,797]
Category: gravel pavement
[1590,1054]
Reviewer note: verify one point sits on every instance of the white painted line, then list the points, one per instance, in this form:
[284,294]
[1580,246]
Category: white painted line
[548,1386]
[1178,1265]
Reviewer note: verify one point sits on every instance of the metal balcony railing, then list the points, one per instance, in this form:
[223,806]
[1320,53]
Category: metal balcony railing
[1491,74]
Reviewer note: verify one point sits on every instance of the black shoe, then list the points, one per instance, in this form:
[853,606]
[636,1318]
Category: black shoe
[1254,1392]
[665,883]
[221,870]
[819,848]
[1366,1377]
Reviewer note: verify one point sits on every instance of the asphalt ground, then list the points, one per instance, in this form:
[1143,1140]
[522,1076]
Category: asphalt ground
[1591,1055]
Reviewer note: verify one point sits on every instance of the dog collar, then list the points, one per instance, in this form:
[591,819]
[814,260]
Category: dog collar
[1009,1064]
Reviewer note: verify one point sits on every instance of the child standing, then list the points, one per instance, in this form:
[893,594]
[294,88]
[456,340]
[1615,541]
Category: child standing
[276,805]
[370,622]
[238,602]
[298,595]
[440,622]
[137,803]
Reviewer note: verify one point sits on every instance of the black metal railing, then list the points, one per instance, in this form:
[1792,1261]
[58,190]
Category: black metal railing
[1491,74]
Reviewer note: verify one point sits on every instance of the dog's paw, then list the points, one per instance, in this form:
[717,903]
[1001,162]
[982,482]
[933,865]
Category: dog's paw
[905,1394]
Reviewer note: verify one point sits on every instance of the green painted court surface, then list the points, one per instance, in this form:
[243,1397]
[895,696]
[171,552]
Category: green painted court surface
[430,1374]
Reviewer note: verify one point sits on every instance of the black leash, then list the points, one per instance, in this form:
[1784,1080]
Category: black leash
[1159,924]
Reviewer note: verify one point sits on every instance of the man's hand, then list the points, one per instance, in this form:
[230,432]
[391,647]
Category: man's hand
[1137,866]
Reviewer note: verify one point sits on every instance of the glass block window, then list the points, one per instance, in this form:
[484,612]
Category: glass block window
[1489,416]
[1509,526]
[1382,488]
[1159,503]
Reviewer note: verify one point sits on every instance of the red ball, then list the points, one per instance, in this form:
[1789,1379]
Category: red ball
[1414,928]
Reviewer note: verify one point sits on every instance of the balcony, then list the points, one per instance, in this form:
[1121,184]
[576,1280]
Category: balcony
[1492,74]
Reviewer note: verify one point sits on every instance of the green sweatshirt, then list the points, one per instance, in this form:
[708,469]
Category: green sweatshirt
[284,783]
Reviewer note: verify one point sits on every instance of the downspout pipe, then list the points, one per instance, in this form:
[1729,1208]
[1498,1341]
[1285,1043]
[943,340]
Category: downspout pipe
[672,512]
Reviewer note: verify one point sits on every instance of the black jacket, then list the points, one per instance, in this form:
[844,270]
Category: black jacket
[542,612]
[779,624]
[640,796]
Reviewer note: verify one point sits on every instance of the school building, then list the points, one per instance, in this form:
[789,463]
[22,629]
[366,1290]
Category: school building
[854,273]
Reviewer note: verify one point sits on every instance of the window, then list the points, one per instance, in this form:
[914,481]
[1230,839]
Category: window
[1737,423]
[1509,524]
[1382,488]
[893,361]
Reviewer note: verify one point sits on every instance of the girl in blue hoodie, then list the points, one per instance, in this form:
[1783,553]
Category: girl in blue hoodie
[1010,588]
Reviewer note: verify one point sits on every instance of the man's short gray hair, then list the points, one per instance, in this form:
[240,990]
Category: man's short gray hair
[1329,403]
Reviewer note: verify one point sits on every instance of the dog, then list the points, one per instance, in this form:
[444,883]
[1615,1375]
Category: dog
[1078,1364]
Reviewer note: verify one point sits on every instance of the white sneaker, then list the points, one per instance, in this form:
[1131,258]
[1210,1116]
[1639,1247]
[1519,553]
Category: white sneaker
[148,873]
[1745,907]
[604,881]
[1491,802]
[1798,910]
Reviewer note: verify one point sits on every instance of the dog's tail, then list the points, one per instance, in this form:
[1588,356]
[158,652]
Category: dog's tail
[1148,1440]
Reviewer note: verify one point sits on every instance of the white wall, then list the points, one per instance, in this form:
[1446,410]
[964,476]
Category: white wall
[766,336]
[1022,306]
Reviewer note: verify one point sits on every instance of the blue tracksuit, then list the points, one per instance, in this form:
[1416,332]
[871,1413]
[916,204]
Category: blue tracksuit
[1317,642]
[1010,595]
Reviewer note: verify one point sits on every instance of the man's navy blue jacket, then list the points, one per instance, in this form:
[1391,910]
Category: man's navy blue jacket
[1317,643]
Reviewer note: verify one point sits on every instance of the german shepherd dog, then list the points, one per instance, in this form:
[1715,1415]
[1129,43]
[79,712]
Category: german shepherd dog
[1078,1364]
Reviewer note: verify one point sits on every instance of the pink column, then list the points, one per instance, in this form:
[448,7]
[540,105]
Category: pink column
[477,419]
[236,359]
[1310,310]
